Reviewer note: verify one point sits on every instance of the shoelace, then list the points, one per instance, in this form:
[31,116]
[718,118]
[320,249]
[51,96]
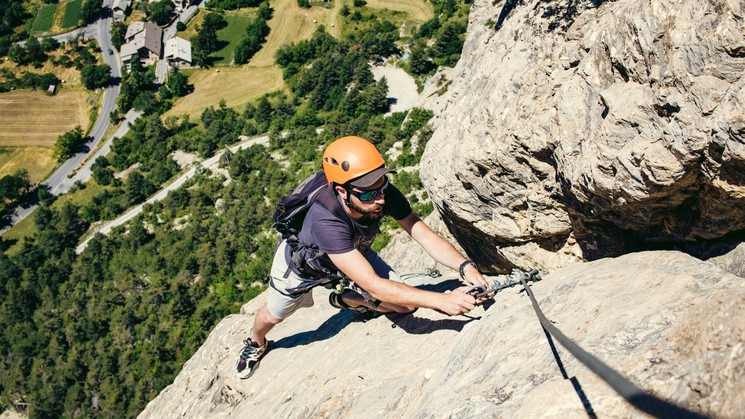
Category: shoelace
[248,350]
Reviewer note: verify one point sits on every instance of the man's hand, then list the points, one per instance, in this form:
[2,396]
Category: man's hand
[473,276]
[457,302]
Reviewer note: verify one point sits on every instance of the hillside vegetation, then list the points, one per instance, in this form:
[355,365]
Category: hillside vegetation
[13,159]
[289,23]
[101,333]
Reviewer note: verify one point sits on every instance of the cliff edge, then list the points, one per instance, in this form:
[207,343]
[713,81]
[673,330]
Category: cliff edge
[575,130]
[669,322]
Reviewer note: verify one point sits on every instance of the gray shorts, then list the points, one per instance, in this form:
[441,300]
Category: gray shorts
[282,306]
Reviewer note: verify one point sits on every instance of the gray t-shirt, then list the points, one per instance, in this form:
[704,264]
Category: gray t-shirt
[327,229]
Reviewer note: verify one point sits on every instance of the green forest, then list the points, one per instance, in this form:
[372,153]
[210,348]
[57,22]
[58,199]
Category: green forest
[102,332]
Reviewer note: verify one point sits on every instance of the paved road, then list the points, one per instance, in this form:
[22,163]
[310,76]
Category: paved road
[66,174]
[210,163]
[62,179]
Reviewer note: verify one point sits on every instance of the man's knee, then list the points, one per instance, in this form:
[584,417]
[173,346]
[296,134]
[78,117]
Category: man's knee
[266,316]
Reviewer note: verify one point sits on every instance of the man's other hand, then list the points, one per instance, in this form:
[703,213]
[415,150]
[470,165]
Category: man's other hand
[457,302]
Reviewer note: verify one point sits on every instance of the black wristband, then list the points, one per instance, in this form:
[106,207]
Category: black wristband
[462,268]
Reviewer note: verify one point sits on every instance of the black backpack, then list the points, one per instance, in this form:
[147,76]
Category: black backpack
[291,209]
[288,219]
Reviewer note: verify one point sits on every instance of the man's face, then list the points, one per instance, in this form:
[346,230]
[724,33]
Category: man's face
[371,210]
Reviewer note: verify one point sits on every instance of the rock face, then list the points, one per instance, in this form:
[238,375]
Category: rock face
[569,133]
[684,343]
[576,131]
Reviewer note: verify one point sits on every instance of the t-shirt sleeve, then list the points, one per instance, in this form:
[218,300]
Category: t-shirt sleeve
[396,204]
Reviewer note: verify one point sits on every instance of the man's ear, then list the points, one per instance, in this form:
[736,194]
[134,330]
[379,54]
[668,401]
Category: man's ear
[341,191]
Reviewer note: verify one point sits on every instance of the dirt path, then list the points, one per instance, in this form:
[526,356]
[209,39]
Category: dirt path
[210,164]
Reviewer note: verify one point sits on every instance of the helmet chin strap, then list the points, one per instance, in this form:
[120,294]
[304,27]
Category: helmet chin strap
[346,190]
[346,198]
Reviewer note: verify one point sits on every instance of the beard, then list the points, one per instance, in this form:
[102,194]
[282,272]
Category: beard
[369,217]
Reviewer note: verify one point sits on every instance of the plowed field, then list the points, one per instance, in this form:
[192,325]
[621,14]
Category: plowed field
[31,118]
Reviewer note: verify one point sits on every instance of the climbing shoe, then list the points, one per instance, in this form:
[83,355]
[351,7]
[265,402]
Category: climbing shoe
[250,356]
[337,302]
[362,313]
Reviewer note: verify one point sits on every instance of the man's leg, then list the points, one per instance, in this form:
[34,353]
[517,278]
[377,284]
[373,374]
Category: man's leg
[353,299]
[263,323]
[256,346]
[278,307]
[383,270]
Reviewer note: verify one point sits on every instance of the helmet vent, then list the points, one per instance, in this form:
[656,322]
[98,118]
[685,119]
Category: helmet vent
[345,165]
[331,160]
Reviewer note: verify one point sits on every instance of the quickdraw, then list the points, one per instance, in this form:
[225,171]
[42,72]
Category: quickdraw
[514,278]
[431,272]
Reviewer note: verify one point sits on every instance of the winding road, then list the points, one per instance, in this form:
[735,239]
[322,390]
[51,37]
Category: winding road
[210,164]
[67,173]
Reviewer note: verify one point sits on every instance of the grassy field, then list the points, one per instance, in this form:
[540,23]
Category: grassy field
[417,10]
[82,197]
[24,228]
[290,23]
[232,34]
[38,161]
[236,85]
[44,18]
[191,27]
[408,15]
[72,14]
[31,118]
[70,76]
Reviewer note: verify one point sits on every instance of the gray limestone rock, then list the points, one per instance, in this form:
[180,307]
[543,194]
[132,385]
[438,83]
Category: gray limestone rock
[577,132]
[670,323]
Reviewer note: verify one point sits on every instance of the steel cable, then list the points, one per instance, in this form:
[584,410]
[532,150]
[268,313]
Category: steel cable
[634,395]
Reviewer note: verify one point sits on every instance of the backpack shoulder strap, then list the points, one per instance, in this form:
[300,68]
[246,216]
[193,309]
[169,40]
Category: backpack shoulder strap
[329,200]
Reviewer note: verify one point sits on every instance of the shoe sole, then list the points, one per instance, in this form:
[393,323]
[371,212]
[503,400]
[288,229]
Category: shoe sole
[250,370]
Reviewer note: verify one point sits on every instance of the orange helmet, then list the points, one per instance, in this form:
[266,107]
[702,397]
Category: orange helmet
[353,160]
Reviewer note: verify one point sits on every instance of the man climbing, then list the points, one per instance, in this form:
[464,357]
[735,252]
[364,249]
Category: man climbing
[334,245]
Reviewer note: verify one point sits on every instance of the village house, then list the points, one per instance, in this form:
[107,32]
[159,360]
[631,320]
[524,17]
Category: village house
[120,8]
[178,52]
[143,41]
[183,4]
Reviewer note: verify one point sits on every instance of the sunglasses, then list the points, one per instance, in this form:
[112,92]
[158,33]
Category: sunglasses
[369,195]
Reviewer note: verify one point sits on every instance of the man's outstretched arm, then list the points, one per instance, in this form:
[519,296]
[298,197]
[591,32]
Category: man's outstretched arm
[357,268]
[440,249]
